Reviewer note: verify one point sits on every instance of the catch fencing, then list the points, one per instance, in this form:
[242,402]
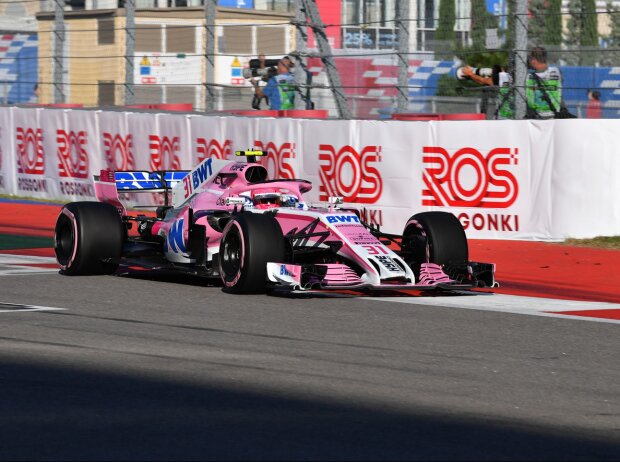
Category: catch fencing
[390,59]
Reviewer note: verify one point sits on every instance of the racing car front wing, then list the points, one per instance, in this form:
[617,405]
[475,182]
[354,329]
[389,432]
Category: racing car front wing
[339,276]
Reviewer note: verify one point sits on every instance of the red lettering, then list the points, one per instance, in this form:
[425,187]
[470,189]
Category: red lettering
[376,217]
[278,159]
[478,221]
[489,222]
[469,179]
[350,174]
[505,223]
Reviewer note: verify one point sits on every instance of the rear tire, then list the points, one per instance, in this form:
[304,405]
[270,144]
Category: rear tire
[434,237]
[87,235]
[249,242]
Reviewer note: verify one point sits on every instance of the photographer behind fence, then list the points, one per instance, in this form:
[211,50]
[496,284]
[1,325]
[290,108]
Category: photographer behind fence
[543,88]
[496,76]
[280,88]
[259,72]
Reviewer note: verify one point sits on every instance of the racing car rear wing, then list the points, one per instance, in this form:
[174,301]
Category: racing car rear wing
[137,181]
[183,184]
[109,183]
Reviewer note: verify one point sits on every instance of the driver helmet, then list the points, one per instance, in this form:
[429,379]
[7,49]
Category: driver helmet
[266,200]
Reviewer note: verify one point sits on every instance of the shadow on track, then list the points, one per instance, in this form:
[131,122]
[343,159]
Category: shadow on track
[66,413]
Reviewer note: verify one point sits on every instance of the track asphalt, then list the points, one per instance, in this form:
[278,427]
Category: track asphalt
[533,269]
[162,367]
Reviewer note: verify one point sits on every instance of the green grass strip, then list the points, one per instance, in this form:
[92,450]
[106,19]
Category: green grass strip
[10,242]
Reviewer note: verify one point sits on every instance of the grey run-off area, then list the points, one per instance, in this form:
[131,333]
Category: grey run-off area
[162,367]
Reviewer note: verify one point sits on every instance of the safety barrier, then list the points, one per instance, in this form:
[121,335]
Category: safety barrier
[426,116]
[182,107]
[509,180]
[298,113]
[62,105]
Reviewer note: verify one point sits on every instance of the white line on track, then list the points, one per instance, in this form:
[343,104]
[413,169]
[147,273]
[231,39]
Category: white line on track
[22,271]
[15,265]
[511,304]
[9,259]
[19,308]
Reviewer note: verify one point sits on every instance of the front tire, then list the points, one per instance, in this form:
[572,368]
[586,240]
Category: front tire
[88,238]
[249,242]
[434,237]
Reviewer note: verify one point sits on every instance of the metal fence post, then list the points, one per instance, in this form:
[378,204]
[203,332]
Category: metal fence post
[402,19]
[130,47]
[301,69]
[520,58]
[59,42]
[318,28]
[209,12]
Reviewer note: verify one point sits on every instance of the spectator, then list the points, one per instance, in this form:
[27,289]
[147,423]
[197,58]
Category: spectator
[36,92]
[594,109]
[256,100]
[543,86]
[505,95]
[280,89]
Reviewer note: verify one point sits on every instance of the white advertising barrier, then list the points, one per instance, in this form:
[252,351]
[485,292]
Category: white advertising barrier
[7,158]
[35,166]
[367,165]
[116,142]
[170,148]
[145,139]
[220,137]
[485,173]
[503,179]
[394,170]
[279,139]
[585,179]
[209,139]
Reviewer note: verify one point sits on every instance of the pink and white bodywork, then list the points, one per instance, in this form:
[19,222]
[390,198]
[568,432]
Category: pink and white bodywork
[326,247]
[379,265]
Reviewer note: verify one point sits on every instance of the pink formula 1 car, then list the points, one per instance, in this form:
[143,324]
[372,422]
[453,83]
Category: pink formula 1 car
[227,220]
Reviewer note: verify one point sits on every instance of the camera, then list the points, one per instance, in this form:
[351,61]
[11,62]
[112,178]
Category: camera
[481,71]
[254,70]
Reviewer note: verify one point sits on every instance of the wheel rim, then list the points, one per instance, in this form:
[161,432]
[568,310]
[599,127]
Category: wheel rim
[232,254]
[64,240]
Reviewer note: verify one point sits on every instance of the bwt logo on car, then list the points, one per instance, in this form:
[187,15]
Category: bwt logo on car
[213,149]
[278,159]
[470,179]
[342,219]
[164,153]
[198,176]
[30,157]
[348,173]
[118,151]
